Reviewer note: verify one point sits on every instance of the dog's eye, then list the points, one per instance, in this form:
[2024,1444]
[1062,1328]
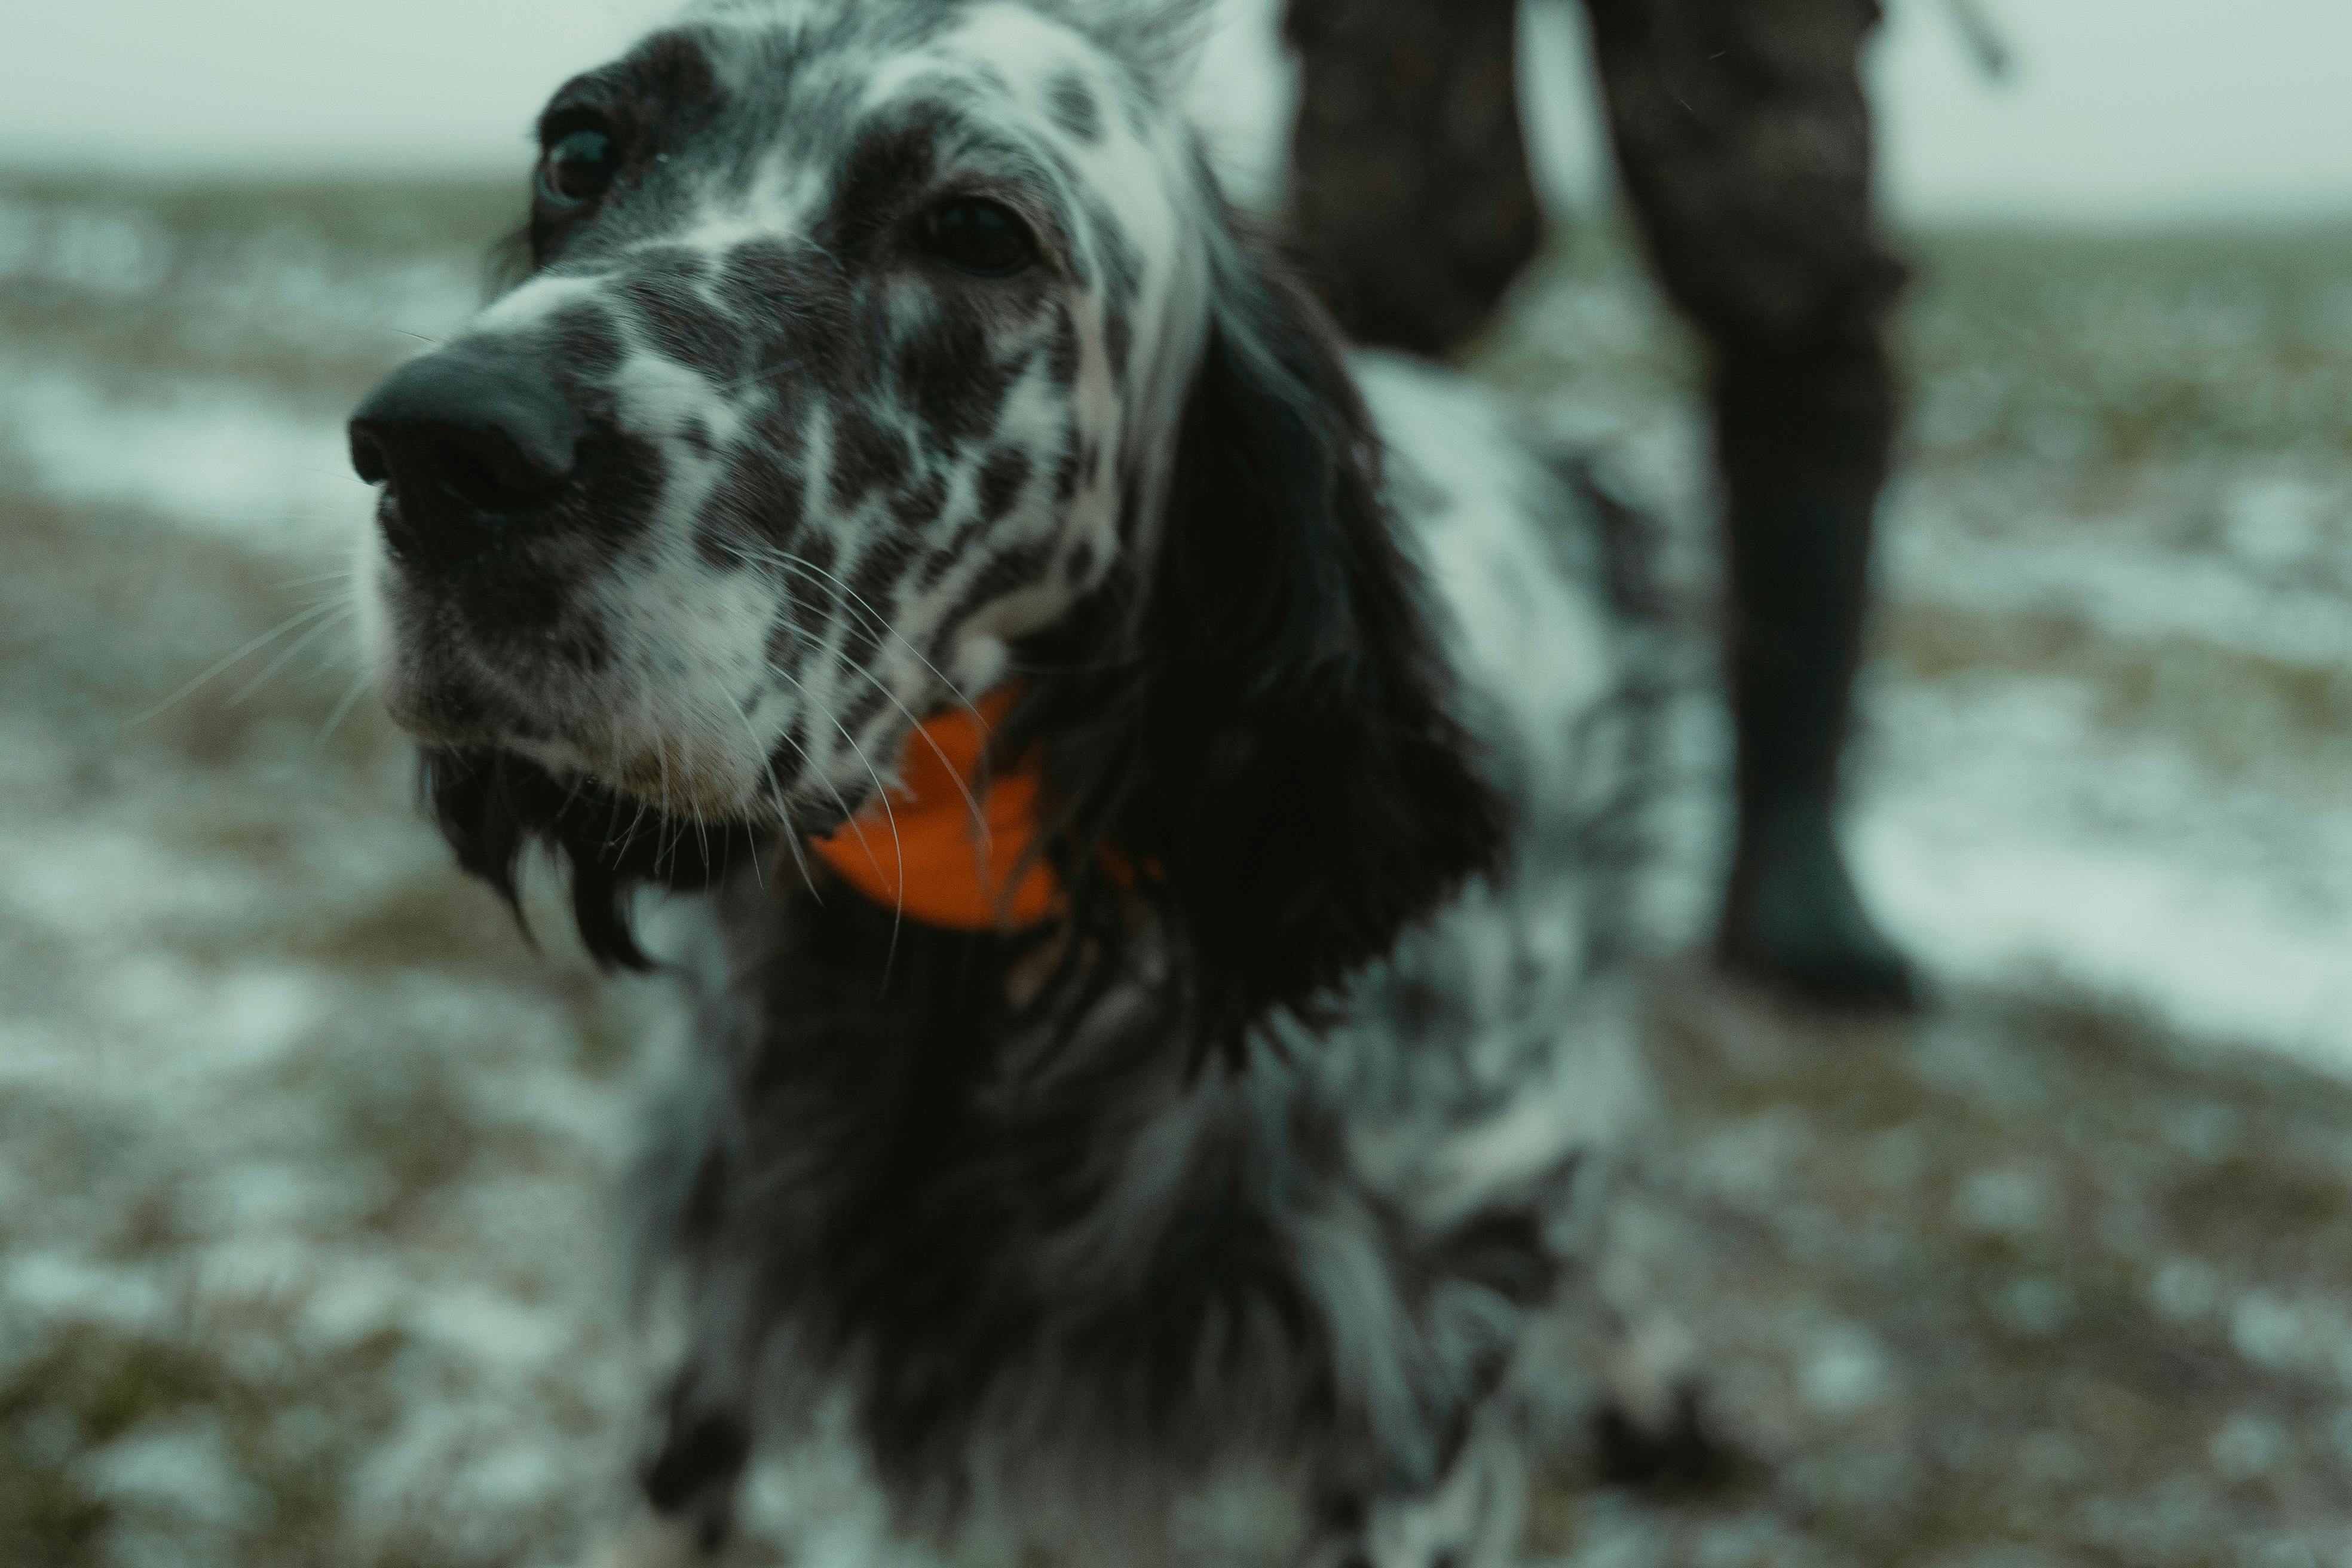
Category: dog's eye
[978,236]
[577,167]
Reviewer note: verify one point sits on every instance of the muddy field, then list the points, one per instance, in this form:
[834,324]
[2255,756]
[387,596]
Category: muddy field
[301,1146]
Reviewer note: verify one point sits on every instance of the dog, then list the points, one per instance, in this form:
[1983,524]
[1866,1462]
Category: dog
[1168,797]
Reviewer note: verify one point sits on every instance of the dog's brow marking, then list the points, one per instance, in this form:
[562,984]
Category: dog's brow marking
[1011,36]
[901,77]
[539,298]
[720,233]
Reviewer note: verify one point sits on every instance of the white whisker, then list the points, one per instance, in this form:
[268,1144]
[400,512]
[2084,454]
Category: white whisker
[848,816]
[638,817]
[343,706]
[875,618]
[971,806]
[664,823]
[264,639]
[343,575]
[882,794]
[776,798]
[285,654]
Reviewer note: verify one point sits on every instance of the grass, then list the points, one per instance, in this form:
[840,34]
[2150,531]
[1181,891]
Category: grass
[2039,1382]
[92,1387]
[394,219]
[2126,349]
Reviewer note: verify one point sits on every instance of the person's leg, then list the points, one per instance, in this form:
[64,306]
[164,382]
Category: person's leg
[1411,205]
[1744,142]
[1803,444]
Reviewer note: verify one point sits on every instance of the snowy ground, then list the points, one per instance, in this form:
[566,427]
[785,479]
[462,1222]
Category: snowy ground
[2110,729]
[300,1144]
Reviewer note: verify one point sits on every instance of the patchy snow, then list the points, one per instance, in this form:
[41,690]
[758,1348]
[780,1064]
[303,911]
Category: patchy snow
[2005,836]
[2275,579]
[218,456]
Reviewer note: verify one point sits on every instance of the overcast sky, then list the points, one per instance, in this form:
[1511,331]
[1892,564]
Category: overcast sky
[2121,109]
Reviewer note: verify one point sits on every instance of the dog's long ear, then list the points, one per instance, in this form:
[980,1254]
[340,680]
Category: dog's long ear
[493,807]
[1285,767]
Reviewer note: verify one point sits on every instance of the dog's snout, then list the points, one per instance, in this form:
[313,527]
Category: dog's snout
[466,433]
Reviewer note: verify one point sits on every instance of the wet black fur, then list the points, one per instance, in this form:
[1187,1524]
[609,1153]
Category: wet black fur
[882,1197]
[1279,742]
[494,806]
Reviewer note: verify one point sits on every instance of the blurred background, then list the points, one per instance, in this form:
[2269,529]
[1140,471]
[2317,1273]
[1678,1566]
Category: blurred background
[303,1147]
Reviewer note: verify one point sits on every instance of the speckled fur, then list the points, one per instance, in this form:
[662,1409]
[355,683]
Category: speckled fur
[1258,1211]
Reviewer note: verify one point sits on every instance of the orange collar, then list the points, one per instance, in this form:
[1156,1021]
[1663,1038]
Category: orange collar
[922,852]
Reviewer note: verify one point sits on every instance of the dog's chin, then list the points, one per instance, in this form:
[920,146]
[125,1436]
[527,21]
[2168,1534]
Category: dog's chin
[440,713]
[679,786]
[684,786]
[442,701]
[428,686]
[669,776]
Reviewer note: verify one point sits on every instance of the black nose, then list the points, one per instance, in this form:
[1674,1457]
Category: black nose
[466,433]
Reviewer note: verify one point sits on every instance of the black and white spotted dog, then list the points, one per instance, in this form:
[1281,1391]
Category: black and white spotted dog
[875,353]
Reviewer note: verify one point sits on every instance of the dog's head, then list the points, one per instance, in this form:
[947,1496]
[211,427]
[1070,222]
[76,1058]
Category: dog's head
[868,346]
[848,332]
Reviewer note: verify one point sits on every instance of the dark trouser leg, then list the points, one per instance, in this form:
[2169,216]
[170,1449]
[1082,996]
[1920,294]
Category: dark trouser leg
[1410,203]
[1744,142]
[1803,447]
